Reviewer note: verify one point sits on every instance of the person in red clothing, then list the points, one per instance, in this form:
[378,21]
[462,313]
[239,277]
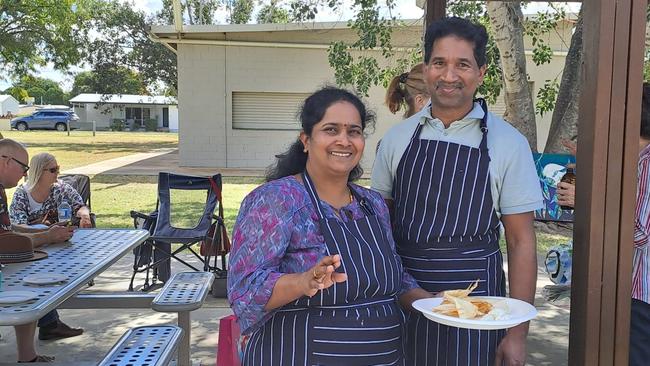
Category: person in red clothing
[13,167]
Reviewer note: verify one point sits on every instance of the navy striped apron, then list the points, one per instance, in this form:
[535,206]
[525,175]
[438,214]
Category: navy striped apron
[447,233]
[356,322]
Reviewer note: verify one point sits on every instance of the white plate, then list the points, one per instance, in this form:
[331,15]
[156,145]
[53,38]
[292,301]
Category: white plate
[45,278]
[15,297]
[517,312]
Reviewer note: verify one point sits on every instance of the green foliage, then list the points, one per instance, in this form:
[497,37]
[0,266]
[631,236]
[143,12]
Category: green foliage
[241,11]
[546,96]
[121,41]
[273,13]
[110,80]
[45,90]
[117,124]
[35,32]
[150,124]
[18,93]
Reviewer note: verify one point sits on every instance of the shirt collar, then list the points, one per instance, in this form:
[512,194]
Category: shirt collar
[645,151]
[471,117]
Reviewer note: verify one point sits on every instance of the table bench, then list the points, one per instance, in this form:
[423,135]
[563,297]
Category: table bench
[145,346]
[183,293]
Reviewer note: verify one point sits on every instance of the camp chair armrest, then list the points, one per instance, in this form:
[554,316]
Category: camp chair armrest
[140,215]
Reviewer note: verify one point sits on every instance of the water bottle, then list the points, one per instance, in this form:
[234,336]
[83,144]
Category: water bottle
[64,211]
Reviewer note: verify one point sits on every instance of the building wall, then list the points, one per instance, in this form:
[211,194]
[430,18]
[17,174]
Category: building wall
[9,105]
[202,105]
[103,116]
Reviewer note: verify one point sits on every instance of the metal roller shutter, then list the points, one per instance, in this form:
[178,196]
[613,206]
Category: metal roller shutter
[266,110]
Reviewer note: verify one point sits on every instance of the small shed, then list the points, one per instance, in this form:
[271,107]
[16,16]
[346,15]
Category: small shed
[134,110]
[8,105]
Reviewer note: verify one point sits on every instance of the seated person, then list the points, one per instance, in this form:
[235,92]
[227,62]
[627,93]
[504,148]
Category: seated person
[36,201]
[12,168]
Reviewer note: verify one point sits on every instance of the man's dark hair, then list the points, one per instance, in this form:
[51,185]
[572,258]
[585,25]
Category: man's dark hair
[461,28]
[645,112]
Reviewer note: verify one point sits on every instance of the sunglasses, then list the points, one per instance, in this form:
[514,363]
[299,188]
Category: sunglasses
[22,165]
[54,170]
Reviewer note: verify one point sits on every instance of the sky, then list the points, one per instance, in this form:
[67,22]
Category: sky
[405,9]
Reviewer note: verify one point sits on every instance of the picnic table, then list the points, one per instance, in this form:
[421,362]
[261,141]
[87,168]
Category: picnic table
[86,255]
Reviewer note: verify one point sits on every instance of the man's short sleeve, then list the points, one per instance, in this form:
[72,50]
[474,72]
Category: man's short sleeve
[520,189]
[382,174]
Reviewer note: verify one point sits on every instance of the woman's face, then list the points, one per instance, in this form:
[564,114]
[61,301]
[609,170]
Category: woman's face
[336,142]
[50,173]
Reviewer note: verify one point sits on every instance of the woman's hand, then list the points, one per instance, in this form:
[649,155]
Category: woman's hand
[566,194]
[322,275]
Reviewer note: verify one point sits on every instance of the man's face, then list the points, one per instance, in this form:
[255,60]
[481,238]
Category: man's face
[13,166]
[452,74]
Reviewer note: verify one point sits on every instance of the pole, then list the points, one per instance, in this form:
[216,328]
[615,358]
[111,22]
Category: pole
[94,128]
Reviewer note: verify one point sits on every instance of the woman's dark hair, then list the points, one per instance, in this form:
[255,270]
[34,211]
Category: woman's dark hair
[461,28]
[645,112]
[294,160]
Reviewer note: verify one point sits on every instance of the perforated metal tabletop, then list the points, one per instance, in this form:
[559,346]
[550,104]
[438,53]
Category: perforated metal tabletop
[88,253]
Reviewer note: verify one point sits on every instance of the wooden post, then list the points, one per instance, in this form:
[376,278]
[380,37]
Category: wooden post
[434,10]
[607,160]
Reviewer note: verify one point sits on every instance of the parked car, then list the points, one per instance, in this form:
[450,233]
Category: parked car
[53,119]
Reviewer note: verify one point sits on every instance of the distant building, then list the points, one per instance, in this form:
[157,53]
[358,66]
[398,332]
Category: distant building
[134,110]
[8,104]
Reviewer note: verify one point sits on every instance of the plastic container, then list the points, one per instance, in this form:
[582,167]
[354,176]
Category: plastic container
[64,211]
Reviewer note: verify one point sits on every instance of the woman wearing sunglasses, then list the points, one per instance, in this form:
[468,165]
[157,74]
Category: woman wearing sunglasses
[36,201]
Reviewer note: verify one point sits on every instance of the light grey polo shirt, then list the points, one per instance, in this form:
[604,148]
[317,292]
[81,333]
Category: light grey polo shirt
[513,179]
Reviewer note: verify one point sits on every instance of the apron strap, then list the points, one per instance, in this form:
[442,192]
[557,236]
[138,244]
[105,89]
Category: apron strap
[311,190]
[483,146]
[313,195]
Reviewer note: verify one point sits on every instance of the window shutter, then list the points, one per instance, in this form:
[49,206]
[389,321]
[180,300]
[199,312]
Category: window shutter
[266,110]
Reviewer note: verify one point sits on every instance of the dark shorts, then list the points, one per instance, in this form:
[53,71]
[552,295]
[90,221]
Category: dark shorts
[640,333]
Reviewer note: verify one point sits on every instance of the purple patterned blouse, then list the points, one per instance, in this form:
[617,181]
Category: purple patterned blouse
[277,232]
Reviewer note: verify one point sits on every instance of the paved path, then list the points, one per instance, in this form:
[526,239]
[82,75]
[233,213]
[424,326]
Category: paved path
[151,163]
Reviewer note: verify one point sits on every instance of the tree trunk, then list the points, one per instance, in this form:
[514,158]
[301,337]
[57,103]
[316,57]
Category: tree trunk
[506,20]
[564,124]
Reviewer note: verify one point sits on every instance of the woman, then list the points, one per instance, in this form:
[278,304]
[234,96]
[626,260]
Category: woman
[313,275]
[36,201]
[409,90]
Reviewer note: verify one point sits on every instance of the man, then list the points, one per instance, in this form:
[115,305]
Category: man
[13,167]
[450,187]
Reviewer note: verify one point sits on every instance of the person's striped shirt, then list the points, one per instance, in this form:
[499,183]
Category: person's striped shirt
[641,269]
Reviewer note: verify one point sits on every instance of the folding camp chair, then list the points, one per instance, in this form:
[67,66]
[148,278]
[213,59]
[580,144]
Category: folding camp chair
[156,253]
[81,183]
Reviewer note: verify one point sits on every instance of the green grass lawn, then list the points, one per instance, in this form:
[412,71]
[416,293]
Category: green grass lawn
[82,148]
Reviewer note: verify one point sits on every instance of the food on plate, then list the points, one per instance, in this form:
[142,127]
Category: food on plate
[458,303]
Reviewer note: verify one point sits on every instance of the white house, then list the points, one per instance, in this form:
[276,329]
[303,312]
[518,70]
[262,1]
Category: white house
[132,109]
[240,86]
[8,104]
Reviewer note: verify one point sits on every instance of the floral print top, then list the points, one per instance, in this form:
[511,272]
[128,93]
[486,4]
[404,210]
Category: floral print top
[20,212]
[277,232]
